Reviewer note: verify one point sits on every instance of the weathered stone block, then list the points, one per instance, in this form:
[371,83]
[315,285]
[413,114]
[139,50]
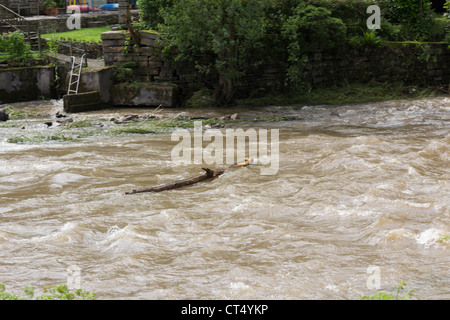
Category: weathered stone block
[111,49]
[155,64]
[108,58]
[82,102]
[146,34]
[97,79]
[142,64]
[143,50]
[148,42]
[140,58]
[153,71]
[148,94]
[29,83]
[119,57]
[115,35]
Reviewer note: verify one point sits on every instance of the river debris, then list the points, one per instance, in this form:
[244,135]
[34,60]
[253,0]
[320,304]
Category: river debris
[233,117]
[135,117]
[335,114]
[4,116]
[209,174]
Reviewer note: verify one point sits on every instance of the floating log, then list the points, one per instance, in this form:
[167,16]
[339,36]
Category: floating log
[207,175]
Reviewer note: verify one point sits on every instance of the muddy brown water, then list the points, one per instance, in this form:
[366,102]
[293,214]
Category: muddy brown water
[359,186]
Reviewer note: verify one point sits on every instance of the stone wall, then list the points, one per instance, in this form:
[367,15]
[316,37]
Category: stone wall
[410,63]
[25,84]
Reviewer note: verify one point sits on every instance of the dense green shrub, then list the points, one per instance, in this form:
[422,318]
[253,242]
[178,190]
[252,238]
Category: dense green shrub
[59,292]
[239,34]
[150,11]
[406,11]
[352,12]
[310,29]
[14,44]
[229,30]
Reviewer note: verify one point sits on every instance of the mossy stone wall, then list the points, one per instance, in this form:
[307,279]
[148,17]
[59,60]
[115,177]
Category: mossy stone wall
[411,63]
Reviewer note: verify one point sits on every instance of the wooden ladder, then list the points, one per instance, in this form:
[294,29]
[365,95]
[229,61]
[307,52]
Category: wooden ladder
[75,74]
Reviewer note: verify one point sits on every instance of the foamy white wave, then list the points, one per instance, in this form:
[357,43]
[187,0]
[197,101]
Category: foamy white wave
[428,238]
[238,288]
[117,238]
[67,233]
[5,236]
[401,233]
[61,179]
[431,237]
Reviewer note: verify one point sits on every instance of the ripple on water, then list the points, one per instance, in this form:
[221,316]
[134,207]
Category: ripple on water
[367,188]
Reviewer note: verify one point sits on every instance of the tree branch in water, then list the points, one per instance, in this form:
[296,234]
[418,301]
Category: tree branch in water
[209,174]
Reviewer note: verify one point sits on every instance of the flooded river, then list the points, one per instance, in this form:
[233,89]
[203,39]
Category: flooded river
[361,202]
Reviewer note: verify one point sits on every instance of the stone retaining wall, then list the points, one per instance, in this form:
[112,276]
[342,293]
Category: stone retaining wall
[411,63]
[25,84]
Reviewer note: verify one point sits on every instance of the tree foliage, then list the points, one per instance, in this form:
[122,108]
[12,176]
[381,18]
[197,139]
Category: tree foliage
[406,11]
[239,34]
[307,30]
[230,30]
[150,11]
[14,44]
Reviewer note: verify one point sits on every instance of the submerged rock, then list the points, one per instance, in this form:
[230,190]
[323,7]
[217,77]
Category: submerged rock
[4,116]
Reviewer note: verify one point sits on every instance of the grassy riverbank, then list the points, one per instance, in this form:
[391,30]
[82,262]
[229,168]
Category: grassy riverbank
[347,93]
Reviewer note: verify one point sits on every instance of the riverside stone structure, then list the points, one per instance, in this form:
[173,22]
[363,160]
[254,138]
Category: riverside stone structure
[24,84]
[411,63]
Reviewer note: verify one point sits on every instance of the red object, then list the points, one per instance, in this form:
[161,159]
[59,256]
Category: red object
[82,9]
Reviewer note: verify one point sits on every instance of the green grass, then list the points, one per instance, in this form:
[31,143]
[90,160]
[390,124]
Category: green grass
[83,35]
[5,56]
[391,296]
[344,94]
[58,292]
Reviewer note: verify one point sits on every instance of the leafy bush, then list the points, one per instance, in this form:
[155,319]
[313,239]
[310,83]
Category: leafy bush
[229,30]
[14,44]
[150,11]
[415,15]
[352,12]
[314,29]
[406,11]
[447,38]
[59,292]
[307,30]
[390,296]
[368,39]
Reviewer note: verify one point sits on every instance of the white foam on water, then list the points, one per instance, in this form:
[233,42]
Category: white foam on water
[69,232]
[431,237]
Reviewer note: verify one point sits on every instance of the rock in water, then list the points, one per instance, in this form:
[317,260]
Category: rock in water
[3,115]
